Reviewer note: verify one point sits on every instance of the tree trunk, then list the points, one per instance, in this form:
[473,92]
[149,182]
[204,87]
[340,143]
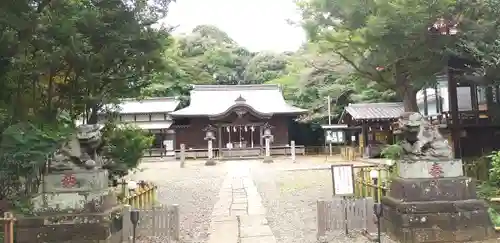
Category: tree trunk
[409,99]
[93,117]
[405,89]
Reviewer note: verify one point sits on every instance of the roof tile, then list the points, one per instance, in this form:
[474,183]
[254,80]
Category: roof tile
[375,110]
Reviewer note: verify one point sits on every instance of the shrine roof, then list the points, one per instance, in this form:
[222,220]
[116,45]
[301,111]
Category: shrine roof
[146,105]
[213,100]
[370,111]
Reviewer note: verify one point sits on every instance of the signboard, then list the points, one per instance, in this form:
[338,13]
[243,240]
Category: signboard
[333,136]
[342,180]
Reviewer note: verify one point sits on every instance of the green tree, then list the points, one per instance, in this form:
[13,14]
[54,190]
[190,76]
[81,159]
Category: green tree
[265,66]
[383,41]
[125,146]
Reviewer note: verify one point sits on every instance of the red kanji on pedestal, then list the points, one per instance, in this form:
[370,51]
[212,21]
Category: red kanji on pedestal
[436,170]
[68,180]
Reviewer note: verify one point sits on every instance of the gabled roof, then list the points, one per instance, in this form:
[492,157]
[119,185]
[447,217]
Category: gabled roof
[147,105]
[215,100]
[367,111]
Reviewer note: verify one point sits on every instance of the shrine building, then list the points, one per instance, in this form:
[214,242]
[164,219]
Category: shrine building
[151,115]
[239,115]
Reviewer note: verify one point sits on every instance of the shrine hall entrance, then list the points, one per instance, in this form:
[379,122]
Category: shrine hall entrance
[240,140]
[241,136]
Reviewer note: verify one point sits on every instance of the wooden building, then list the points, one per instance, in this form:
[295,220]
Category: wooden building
[239,114]
[152,115]
[470,110]
[369,127]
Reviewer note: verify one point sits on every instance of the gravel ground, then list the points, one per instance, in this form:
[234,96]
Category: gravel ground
[290,199]
[195,188]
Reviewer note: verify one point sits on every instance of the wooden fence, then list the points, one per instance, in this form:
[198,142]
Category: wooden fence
[143,197]
[355,215]
[156,222]
[160,223]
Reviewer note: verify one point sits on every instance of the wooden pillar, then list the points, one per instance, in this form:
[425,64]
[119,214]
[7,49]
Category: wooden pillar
[439,105]
[364,134]
[453,105]
[219,137]
[261,133]
[426,108]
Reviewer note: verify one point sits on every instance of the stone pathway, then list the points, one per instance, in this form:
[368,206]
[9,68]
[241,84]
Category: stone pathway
[239,216]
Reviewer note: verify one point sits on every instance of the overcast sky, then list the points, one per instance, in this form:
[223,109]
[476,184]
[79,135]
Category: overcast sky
[255,24]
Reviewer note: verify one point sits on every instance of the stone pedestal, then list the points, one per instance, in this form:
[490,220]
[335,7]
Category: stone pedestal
[102,227]
[432,201]
[73,206]
[267,155]
[210,154]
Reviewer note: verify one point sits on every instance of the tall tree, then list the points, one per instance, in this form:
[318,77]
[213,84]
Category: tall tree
[77,55]
[384,41]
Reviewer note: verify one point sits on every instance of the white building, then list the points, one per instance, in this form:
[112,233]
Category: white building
[153,115]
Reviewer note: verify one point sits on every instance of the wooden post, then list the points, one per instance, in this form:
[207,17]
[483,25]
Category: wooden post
[175,222]
[126,224]
[292,150]
[322,222]
[183,154]
[8,227]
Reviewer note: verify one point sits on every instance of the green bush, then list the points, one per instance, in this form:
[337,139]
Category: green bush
[124,146]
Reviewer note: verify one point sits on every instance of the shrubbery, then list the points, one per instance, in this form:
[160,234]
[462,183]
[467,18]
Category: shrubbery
[124,147]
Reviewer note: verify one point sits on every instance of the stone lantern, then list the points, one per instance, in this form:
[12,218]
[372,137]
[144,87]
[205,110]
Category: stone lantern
[209,137]
[268,138]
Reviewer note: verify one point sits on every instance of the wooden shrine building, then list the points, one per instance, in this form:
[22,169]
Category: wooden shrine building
[465,107]
[370,126]
[149,114]
[239,114]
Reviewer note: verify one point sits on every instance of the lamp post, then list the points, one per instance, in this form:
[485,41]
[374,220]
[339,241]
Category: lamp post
[134,218]
[374,177]
[329,103]
[209,137]
[267,138]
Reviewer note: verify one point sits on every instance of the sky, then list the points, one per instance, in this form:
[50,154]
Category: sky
[259,25]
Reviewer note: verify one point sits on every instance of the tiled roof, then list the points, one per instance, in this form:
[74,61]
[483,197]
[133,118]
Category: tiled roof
[212,100]
[148,105]
[151,125]
[365,111]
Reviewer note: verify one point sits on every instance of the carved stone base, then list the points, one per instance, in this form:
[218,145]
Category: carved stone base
[435,210]
[103,227]
[210,162]
[268,159]
[413,169]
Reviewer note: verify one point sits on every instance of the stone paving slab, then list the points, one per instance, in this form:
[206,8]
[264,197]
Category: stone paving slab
[221,231]
[259,239]
[239,214]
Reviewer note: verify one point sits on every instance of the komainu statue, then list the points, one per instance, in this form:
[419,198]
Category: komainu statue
[80,151]
[421,140]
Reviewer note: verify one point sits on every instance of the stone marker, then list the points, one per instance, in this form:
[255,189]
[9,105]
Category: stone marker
[183,155]
[292,150]
[432,191]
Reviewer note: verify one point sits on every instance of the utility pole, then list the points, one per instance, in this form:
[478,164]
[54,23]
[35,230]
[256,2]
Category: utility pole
[330,122]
